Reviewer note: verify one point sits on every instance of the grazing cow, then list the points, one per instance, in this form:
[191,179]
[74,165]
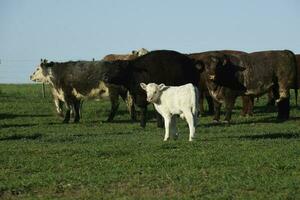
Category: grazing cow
[253,75]
[170,101]
[162,66]
[72,82]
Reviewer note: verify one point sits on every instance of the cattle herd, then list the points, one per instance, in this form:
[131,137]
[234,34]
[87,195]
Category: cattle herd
[175,83]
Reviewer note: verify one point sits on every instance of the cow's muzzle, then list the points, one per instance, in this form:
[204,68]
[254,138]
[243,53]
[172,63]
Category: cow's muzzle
[212,77]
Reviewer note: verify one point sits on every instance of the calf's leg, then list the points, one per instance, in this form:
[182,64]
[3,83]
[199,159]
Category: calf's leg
[174,131]
[191,122]
[167,120]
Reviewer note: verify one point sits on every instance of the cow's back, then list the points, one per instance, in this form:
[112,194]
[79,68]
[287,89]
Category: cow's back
[168,67]
[263,67]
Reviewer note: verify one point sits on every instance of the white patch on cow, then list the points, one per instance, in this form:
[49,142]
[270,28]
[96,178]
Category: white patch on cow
[99,92]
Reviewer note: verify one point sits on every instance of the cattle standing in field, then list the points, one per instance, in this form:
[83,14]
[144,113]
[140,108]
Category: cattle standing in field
[163,66]
[115,91]
[72,82]
[248,102]
[170,101]
[203,90]
[253,75]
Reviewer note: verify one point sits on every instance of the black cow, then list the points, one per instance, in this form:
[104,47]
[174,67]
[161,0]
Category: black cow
[162,66]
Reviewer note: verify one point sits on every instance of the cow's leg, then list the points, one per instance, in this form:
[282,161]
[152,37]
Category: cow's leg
[250,106]
[245,105]
[217,108]
[167,120]
[229,103]
[210,103]
[143,116]
[114,100]
[201,102]
[159,120]
[59,106]
[174,130]
[76,111]
[127,98]
[283,109]
[191,122]
[271,99]
[68,113]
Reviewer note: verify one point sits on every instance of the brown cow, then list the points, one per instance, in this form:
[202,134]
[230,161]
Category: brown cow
[253,75]
[248,102]
[203,90]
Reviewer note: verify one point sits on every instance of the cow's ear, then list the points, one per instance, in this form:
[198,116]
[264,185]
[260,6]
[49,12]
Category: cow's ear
[161,86]
[143,86]
[199,65]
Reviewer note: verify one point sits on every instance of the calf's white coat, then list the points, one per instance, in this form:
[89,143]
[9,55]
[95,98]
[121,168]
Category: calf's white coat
[174,100]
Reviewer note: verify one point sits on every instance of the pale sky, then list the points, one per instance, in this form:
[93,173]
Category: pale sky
[62,30]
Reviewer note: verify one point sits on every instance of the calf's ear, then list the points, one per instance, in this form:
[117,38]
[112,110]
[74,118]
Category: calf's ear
[143,86]
[161,86]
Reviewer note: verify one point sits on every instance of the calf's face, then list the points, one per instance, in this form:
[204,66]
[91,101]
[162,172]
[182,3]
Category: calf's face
[153,91]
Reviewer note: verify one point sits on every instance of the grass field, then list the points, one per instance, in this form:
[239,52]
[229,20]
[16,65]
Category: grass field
[41,158]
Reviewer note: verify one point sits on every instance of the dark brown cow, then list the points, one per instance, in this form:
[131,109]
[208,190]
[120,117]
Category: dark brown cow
[253,75]
[248,102]
[203,90]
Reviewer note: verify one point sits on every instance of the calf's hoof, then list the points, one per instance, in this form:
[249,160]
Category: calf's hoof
[65,122]
[215,121]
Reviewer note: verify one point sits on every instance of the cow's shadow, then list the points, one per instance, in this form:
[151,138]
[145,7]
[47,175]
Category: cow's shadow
[270,136]
[12,116]
[17,125]
[21,137]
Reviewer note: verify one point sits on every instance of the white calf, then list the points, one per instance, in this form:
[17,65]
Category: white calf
[170,101]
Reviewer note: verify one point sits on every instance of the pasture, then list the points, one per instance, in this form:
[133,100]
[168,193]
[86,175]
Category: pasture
[41,158]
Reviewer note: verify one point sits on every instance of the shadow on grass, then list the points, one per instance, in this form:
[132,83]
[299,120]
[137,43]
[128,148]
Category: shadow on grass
[271,136]
[20,137]
[265,120]
[17,125]
[12,116]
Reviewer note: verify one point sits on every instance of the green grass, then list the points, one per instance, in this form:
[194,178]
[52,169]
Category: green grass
[41,158]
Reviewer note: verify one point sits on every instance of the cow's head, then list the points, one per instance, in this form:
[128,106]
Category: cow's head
[153,91]
[115,72]
[221,70]
[40,74]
